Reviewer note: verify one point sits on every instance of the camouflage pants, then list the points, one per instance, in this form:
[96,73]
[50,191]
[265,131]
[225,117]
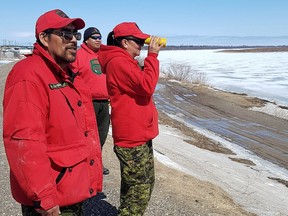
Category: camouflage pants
[73,210]
[137,178]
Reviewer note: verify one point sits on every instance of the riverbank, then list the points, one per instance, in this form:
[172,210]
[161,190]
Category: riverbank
[194,174]
[232,145]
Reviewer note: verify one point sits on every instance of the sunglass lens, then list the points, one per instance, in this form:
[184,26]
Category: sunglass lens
[139,42]
[96,37]
[69,35]
[78,35]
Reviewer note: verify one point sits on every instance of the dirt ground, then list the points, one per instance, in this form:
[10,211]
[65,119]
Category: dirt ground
[175,193]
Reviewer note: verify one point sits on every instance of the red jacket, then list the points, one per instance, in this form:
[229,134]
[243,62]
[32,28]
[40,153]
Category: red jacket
[90,71]
[49,130]
[134,116]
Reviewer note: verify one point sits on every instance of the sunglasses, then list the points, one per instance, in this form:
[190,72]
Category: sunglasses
[67,35]
[96,37]
[138,41]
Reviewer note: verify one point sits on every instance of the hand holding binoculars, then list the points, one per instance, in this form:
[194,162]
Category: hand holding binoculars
[161,41]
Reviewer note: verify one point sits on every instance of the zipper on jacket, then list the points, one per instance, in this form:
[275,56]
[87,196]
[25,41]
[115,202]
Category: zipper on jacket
[61,174]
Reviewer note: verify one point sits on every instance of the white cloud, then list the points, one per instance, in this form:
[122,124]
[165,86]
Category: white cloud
[24,34]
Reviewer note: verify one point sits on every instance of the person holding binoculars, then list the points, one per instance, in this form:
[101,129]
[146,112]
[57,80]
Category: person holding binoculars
[134,115]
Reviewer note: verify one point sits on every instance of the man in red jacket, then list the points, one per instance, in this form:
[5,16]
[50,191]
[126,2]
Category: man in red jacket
[49,129]
[90,71]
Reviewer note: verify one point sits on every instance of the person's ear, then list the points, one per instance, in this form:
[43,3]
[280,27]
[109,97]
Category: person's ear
[43,37]
[124,43]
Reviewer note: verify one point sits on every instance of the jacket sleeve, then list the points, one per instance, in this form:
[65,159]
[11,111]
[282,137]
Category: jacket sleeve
[131,79]
[25,111]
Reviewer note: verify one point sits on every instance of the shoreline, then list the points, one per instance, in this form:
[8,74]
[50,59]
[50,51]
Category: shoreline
[252,181]
[232,116]
[254,187]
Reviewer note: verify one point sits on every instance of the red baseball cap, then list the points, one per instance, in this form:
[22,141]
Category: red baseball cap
[129,29]
[56,19]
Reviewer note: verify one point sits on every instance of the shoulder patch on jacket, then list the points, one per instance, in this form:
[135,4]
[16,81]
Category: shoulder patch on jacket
[95,66]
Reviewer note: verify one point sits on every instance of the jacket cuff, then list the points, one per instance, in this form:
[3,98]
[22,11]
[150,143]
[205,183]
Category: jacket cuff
[153,54]
[46,203]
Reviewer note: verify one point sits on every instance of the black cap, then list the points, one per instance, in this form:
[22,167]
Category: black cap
[90,31]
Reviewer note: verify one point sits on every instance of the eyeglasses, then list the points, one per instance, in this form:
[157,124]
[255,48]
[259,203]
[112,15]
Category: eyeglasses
[67,35]
[96,37]
[138,41]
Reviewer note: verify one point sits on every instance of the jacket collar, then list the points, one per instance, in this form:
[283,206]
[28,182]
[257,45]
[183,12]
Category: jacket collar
[40,51]
[88,50]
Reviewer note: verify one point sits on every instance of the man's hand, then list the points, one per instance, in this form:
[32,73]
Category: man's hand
[50,212]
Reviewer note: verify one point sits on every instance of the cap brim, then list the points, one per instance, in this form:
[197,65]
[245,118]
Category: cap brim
[78,23]
[141,36]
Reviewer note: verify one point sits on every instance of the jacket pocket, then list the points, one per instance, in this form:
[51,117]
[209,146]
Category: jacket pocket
[69,155]
[70,171]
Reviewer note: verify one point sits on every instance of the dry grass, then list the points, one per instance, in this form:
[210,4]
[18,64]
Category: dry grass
[185,73]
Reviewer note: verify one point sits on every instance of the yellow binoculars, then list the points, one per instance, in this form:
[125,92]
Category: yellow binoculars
[161,41]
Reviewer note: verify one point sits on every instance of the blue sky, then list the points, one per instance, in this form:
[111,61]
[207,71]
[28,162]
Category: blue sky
[172,19]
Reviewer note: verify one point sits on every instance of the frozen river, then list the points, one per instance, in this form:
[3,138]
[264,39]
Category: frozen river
[263,74]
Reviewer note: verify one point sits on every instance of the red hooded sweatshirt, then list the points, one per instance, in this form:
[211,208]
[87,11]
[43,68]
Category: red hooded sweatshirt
[90,71]
[134,116]
[50,134]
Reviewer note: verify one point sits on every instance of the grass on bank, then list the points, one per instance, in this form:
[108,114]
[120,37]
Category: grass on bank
[184,73]
[181,72]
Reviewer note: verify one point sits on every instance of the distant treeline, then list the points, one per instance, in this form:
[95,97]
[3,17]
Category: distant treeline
[193,47]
